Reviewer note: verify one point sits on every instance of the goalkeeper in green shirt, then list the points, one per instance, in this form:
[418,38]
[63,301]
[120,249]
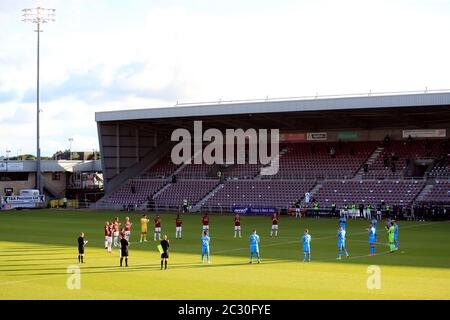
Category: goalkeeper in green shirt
[391,237]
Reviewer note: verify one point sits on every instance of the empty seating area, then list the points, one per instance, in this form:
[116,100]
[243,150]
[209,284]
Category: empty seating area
[323,160]
[441,168]
[162,169]
[393,160]
[259,193]
[135,192]
[399,192]
[440,193]
[191,190]
[233,170]
[195,171]
[243,170]
[246,171]
[333,165]
[439,171]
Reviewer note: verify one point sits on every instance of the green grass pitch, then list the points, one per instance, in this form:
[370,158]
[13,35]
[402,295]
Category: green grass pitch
[37,247]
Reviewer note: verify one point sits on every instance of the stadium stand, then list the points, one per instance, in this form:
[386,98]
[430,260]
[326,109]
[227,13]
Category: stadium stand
[441,167]
[335,148]
[394,158]
[135,192]
[233,170]
[259,193]
[191,190]
[323,160]
[394,192]
[245,171]
[196,171]
[300,162]
[439,193]
[440,171]
[164,168]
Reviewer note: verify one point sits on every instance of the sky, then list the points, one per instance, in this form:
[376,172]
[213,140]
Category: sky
[110,55]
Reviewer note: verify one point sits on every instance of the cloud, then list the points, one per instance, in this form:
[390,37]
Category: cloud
[133,79]
[7,96]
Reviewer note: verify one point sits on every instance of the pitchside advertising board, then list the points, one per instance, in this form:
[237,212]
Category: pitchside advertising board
[425,133]
[28,198]
[301,137]
[8,166]
[246,210]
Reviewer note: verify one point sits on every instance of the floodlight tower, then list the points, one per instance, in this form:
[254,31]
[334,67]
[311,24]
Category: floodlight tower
[70,147]
[38,15]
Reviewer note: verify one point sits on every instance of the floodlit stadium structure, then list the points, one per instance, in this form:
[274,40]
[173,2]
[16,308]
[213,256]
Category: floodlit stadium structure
[373,148]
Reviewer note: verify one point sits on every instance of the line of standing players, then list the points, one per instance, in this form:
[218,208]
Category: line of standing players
[119,237]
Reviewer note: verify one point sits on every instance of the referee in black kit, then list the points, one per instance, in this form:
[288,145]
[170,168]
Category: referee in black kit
[124,251]
[81,244]
[165,255]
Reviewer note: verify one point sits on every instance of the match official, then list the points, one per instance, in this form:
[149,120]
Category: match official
[165,254]
[124,251]
[81,244]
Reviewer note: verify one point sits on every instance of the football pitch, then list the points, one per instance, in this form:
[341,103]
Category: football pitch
[38,250]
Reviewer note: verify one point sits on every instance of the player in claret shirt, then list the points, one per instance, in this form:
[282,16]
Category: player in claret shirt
[274,229]
[237,225]
[205,222]
[106,228]
[108,236]
[178,226]
[116,231]
[157,228]
[127,228]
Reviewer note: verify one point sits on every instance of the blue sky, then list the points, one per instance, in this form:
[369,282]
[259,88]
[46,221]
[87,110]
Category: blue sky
[110,54]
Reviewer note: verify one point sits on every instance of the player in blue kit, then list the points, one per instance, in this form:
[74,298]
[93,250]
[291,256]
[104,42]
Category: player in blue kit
[254,246]
[205,246]
[372,239]
[343,222]
[395,234]
[341,243]
[374,223]
[388,224]
[306,245]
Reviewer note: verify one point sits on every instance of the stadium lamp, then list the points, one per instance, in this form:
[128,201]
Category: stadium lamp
[38,15]
[70,147]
